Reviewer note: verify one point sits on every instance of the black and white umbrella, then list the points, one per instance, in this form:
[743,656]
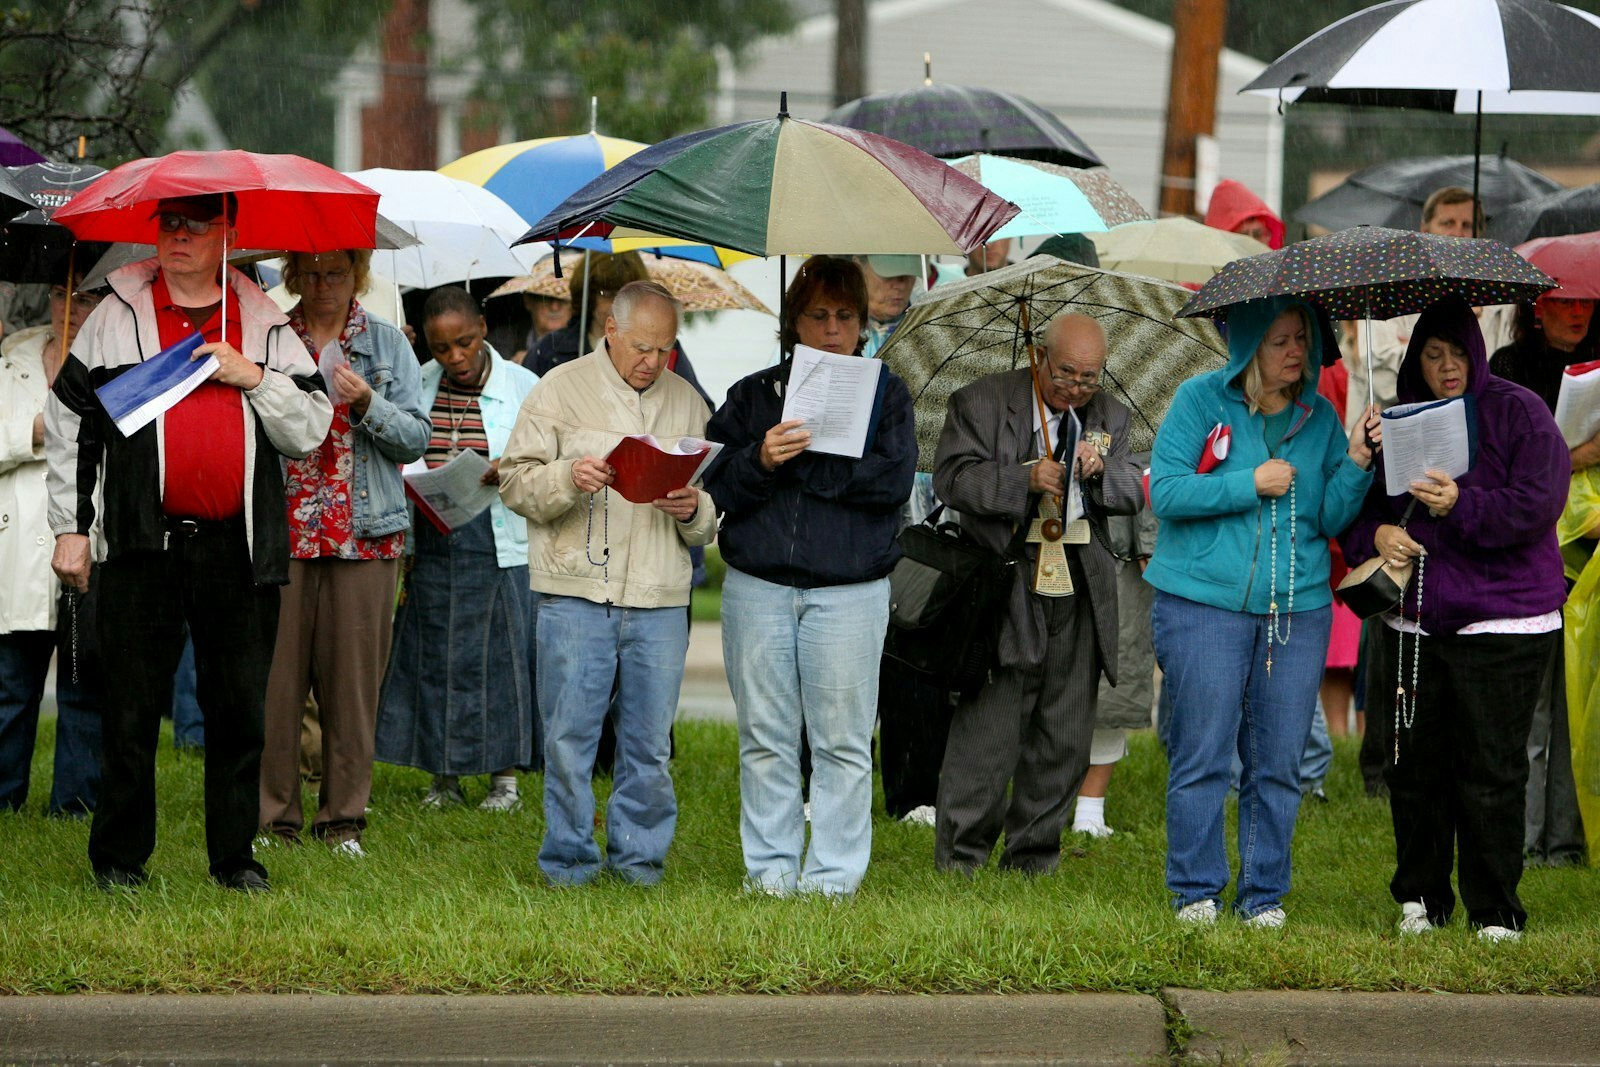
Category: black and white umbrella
[1466,56]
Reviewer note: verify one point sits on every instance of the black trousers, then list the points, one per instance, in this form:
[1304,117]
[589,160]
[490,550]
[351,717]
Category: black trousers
[1460,783]
[203,578]
[913,723]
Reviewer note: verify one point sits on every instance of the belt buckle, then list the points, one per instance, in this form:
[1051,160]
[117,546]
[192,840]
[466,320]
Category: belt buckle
[188,527]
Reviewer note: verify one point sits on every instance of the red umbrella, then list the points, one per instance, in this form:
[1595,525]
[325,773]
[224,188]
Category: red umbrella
[285,201]
[1573,260]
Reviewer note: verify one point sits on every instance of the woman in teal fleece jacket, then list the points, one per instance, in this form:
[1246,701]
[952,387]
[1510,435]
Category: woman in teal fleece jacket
[1242,604]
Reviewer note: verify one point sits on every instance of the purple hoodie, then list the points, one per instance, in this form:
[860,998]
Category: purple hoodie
[1494,556]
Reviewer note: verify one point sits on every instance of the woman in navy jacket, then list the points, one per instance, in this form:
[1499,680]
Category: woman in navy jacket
[809,540]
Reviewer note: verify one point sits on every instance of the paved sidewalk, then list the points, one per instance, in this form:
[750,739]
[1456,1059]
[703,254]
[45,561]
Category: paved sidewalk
[1234,1028]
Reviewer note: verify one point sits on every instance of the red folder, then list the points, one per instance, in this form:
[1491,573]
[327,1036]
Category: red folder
[645,473]
[1216,449]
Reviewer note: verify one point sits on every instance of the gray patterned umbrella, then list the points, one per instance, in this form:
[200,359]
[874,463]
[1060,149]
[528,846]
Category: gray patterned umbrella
[1370,272]
[959,333]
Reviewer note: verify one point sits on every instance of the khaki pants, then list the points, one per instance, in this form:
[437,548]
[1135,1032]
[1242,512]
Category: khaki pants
[335,624]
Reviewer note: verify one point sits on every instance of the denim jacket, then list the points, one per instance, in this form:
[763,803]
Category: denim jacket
[500,401]
[394,432]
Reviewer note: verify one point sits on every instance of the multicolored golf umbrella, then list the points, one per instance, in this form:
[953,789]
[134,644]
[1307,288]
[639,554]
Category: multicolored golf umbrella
[961,332]
[1052,199]
[1370,272]
[784,186]
[535,176]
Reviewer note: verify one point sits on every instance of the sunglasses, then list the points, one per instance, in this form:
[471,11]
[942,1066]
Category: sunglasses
[171,223]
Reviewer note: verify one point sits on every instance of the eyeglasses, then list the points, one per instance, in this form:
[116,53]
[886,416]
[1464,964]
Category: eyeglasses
[171,223]
[327,277]
[1086,383]
[844,316]
[59,292]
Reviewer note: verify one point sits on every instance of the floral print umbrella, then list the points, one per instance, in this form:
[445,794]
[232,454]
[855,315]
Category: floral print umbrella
[1370,272]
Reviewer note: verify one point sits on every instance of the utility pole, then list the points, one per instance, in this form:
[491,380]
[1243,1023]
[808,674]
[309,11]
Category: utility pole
[1197,27]
[402,129]
[849,51]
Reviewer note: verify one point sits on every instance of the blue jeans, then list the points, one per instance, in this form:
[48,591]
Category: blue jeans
[1223,701]
[24,665]
[804,657]
[188,724]
[1314,761]
[583,646]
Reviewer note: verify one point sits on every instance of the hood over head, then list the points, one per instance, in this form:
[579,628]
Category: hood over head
[1451,318]
[1247,325]
[1232,203]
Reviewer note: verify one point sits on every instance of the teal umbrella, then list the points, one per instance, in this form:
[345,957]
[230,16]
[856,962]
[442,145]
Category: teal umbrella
[1052,198]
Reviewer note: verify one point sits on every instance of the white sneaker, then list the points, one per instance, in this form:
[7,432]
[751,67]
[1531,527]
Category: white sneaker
[445,792]
[1497,934]
[350,849]
[503,796]
[1200,913]
[1093,829]
[1271,919]
[1414,918]
[925,815]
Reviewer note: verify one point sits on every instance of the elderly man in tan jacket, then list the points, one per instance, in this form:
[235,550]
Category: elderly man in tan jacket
[614,581]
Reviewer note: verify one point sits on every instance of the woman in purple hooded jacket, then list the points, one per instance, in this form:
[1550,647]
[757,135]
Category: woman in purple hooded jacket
[1464,651]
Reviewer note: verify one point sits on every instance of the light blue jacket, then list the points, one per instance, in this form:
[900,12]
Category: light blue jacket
[1216,543]
[500,401]
[393,433]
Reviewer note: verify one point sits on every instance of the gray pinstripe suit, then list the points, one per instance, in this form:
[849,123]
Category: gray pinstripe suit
[1031,724]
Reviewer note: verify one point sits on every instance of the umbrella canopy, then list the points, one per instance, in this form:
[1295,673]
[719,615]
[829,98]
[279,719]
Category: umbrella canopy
[1052,199]
[1573,260]
[462,231]
[1522,56]
[1552,215]
[960,332]
[285,201]
[14,153]
[785,186]
[30,244]
[1392,193]
[1374,273]
[697,286]
[13,200]
[535,176]
[1174,249]
[958,120]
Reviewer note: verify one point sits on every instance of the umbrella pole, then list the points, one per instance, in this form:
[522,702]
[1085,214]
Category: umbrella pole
[224,272]
[783,288]
[1477,163]
[1033,369]
[72,255]
[1368,329]
[583,306]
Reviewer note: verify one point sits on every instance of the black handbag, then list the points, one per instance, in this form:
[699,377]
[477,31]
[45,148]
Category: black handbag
[1373,587]
[945,598]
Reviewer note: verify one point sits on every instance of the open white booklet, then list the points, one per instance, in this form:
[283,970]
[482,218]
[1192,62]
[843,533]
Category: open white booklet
[1417,438]
[453,494]
[835,395]
[1578,403]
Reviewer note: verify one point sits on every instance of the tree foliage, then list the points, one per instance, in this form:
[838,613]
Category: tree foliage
[651,63]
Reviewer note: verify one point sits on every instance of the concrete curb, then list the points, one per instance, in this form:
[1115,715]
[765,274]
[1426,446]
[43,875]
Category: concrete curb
[1086,1028]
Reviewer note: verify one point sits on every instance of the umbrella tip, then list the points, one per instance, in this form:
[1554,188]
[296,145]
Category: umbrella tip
[927,68]
[783,104]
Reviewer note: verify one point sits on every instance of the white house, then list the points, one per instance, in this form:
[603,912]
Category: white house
[1102,69]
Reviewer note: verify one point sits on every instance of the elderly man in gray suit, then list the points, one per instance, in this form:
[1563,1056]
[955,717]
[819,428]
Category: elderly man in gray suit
[1032,722]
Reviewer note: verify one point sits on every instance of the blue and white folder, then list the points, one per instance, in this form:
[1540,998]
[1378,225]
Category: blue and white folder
[139,395]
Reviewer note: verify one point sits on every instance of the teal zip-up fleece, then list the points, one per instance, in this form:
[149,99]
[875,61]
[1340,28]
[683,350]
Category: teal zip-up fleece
[1215,545]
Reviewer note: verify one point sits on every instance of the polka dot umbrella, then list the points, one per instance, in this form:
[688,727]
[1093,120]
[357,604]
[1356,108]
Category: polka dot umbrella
[1370,272]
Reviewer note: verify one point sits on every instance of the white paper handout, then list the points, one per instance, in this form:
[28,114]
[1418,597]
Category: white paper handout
[835,396]
[329,360]
[1578,404]
[452,494]
[1417,438]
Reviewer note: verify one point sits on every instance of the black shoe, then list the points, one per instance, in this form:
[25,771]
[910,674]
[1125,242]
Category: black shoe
[246,880]
[114,878]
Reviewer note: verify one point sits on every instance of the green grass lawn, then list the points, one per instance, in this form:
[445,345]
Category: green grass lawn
[452,902]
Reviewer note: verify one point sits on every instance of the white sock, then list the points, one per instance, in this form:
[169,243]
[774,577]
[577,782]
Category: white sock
[508,782]
[1090,810]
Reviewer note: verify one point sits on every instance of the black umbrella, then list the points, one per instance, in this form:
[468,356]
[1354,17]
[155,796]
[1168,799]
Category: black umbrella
[1553,215]
[31,242]
[1465,56]
[13,199]
[1392,193]
[958,120]
[1371,272]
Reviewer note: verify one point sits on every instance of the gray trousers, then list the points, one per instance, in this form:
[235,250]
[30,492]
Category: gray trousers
[1553,826]
[1032,728]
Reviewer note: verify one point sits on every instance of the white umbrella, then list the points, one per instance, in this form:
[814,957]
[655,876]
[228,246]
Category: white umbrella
[464,231]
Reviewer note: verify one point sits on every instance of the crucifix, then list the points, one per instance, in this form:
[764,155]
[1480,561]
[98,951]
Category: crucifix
[1049,528]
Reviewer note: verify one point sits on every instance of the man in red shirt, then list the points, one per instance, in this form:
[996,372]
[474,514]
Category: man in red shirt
[192,506]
